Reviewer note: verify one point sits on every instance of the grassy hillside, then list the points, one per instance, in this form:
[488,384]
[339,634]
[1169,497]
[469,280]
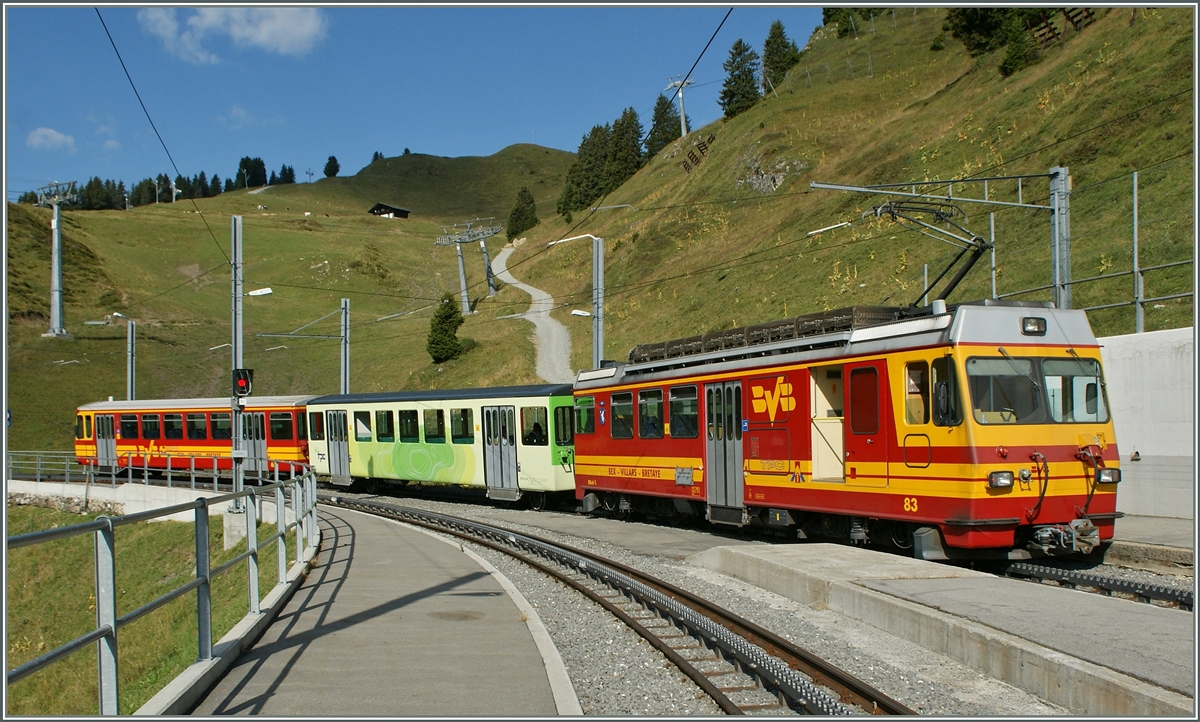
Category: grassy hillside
[722,243]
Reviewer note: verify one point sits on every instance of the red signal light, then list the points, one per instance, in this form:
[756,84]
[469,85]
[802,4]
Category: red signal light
[243,382]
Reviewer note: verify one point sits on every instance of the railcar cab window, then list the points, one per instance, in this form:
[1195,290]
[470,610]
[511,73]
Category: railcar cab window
[385,428]
[533,426]
[281,426]
[462,426]
[435,426]
[1075,390]
[585,415]
[1004,391]
[172,426]
[150,426]
[564,431]
[621,425]
[362,425]
[685,413]
[79,432]
[197,427]
[650,414]
[222,426]
[947,411]
[916,392]
[316,422]
[301,427]
[129,426]
[408,426]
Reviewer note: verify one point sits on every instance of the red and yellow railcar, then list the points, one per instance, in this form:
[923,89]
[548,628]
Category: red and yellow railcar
[977,430]
[192,433]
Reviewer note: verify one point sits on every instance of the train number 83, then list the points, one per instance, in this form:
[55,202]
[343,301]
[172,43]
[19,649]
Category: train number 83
[910,503]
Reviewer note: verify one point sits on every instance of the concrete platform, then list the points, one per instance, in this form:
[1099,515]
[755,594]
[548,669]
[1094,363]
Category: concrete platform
[1162,544]
[1089,653]
[399,623]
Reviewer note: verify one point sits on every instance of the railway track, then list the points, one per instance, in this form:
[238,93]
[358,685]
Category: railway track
[1111,586]
[744,668]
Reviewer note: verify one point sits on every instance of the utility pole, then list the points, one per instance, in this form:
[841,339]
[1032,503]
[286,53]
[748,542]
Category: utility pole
[53,195]
[470,235]
[237,451]
[310,175]
[681,84]
[130,355]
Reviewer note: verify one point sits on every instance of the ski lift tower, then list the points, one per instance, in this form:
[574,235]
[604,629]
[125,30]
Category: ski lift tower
[470,234]
[53,195]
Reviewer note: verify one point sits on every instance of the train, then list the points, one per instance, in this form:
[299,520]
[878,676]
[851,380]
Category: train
[979,430]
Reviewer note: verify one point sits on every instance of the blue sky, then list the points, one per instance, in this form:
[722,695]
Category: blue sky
[296,85]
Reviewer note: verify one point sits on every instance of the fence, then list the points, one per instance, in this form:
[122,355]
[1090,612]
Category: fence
[303,498]
[40,465]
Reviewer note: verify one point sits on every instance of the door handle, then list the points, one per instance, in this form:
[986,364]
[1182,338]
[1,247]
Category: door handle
[870,441]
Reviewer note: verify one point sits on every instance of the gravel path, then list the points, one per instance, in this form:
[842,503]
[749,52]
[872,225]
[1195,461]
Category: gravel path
[616,673]
[551,338]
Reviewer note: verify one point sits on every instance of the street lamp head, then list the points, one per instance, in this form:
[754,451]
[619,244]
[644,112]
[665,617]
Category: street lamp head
[577,312]
[260,292]
[118,314]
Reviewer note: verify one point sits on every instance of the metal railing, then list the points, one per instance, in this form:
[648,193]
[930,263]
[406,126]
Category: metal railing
[129,467]
[303,491]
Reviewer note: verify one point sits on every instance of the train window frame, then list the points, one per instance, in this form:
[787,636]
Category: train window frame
[301,426]
[197,426]
[916,389]
[87,427]
[275,423]
[680,420]
[362,426]
[435,418]
[316,426]
[407,420]
[128,422]
[1024,371]
[172,426]
[863,407]
[621,410]
[462,420]
[151,426]
[385,426]
[79,427]
[946,408]
[564,426]
[650,424]
[222,425]
[1095,402]
[585,415]
[535,426]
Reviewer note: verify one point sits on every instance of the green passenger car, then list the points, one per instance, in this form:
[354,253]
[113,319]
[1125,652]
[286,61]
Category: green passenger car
[513,441]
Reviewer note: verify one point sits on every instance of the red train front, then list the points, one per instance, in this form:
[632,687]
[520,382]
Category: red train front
[981,430]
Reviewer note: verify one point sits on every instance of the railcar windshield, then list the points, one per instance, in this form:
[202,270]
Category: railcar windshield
[1025,390]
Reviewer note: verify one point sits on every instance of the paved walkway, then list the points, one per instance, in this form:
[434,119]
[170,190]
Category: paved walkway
[552,339]
[395,622]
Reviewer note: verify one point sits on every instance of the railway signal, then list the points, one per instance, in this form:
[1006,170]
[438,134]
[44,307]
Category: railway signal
[243,382]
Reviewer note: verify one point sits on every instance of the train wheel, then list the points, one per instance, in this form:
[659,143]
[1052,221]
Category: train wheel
[537,500]
[610,501]
[371,486]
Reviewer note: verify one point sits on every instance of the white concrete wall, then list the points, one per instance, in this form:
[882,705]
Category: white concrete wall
[1151,383]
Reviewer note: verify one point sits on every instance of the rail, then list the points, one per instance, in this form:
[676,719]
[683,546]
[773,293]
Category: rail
[303,492]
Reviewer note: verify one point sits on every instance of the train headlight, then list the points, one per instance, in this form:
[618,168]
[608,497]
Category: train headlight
[1000,479]
[1108,476]
[1033,326]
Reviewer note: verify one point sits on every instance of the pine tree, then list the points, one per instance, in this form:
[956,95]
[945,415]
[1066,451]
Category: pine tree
[287,174]
[624,156]
[585,178]
[442,343]
[376,156]
[664,127]
[200,186]
[273,180]
[779,54]
[740,91]
[523,215]
[332,167]
[214,187]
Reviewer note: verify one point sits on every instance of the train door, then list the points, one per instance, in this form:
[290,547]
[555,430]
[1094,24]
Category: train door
[868,424]
[828,456]
[339,447]
[254,442]
[106,441]
[723,463]
[500,452]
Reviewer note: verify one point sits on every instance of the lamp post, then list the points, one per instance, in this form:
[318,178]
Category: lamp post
[130,355]
[237,451]
[597,294]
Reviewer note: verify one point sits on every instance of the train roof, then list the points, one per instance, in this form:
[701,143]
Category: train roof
[984,322]
[529,391]
[217,403]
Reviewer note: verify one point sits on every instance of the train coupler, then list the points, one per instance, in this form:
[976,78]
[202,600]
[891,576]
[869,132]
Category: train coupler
[1079,536]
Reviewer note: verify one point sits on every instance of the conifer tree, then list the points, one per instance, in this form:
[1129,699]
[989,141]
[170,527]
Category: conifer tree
[779,54]
[523,215]
[664,126]
[332,167]
[273,180]
[740,91]
[624,156]
[442,342]
[585,178]
[214,186]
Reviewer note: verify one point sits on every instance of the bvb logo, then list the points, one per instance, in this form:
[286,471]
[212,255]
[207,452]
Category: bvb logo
[776,400]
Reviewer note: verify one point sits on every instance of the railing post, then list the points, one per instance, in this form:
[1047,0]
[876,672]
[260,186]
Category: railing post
[311,482]
[38,475]
[146,468]
[281,529]
[192,470]
[67,470]
[168,469]
[298,515]
[113,471]
[252,545]
[216,475]
[106,616]
[204,591]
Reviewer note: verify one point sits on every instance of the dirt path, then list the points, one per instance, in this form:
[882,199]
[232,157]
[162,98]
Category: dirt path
[551,338]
